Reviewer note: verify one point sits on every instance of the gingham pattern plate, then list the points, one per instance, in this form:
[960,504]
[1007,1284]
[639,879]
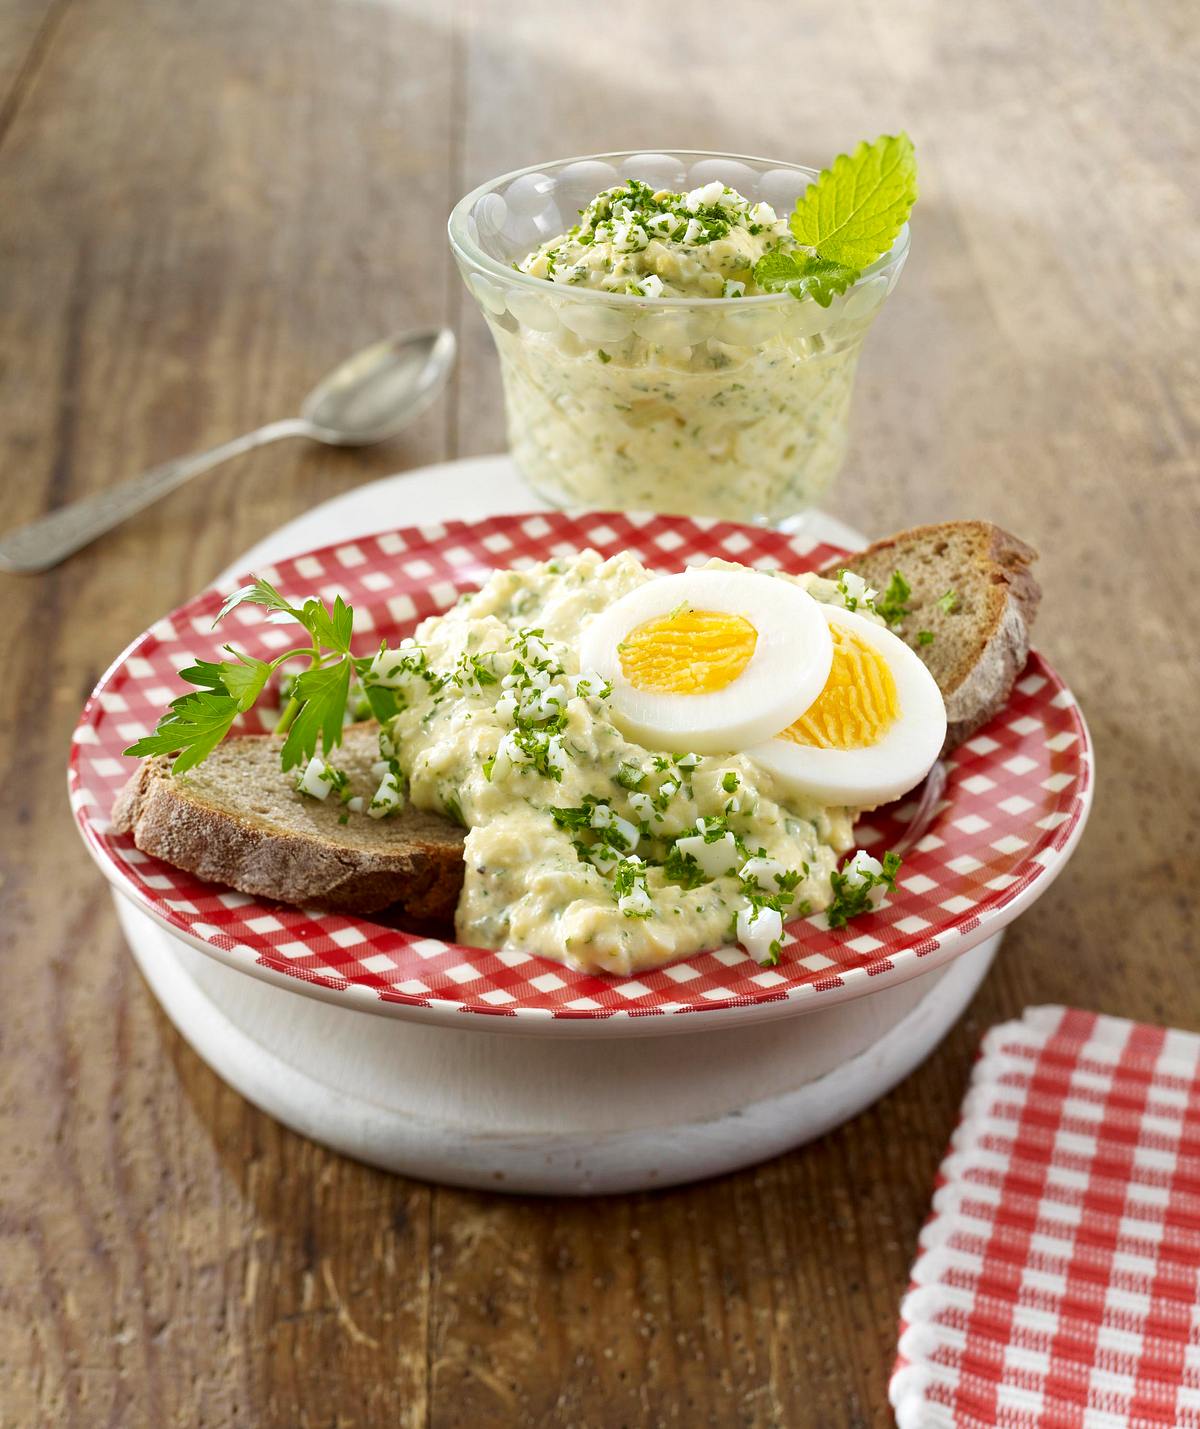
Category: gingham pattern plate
[1058,1280]
[1015,803]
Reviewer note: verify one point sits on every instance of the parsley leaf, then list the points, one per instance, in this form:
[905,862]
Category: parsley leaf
[329,629]
[195,724]
[258,592]
[683,868]
[852,213]
[949,602]
[244,677]
[322,694]
[924,637]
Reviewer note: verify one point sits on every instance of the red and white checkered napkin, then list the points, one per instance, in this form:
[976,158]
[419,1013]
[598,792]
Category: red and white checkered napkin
[1058,1280]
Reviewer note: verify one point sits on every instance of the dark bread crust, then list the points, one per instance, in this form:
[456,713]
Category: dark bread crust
[416,873]
[978,658]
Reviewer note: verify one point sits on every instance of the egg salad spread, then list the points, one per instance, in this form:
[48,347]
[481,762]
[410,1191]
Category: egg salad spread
[585,846]
[655,244]
[737,410]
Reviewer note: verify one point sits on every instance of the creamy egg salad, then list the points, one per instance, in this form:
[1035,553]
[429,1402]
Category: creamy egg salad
[737,410]
[656,244]
[616,852]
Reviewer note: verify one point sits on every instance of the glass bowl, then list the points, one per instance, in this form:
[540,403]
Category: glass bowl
[729,407]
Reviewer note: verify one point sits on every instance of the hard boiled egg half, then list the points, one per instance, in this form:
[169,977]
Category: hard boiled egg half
[876,728]
[710,661]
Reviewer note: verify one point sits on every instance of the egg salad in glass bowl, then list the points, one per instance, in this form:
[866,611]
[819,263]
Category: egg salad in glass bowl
[680,332]
[651,766]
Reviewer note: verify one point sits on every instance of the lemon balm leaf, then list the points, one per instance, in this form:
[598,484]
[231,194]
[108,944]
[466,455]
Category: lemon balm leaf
[804,275]
[853,211]
[822,279]
[775,271]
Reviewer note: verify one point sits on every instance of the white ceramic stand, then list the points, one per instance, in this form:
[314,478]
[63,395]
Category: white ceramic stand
[477,1108]
[517,1113]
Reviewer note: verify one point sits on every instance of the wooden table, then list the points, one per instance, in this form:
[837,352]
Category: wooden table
[203,207]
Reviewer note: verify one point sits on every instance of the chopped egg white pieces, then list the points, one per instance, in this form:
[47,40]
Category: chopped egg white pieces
[715,856]
[317,779]
[759,930]
[389,797]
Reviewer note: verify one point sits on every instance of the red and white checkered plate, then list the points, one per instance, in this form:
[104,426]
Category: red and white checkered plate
[1015,803]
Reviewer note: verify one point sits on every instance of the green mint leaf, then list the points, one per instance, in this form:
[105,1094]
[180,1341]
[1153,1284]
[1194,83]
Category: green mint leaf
[852,213]
[193,727]
[775,271]
[822,279]
[804,275]
[323,693]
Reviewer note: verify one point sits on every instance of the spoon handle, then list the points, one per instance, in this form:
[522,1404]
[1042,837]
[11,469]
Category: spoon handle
[51,539]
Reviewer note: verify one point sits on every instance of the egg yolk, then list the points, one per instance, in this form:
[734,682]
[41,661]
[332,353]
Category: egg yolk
[689,652]
[858,702]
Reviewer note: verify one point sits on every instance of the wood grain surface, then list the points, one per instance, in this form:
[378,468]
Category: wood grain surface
[202,207]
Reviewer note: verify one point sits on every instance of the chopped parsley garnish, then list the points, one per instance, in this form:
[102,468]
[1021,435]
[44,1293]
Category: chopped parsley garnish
[630,776]
[578,818]
[949,602]
[925,637]
[890,605]
[852,890]
[730,781]
[472,670]
[683,869]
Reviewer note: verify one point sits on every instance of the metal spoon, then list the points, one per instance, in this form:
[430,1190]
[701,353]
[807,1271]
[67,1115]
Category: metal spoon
[370,396]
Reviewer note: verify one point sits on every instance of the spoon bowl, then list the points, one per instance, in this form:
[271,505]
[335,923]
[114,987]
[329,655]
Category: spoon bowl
[379,390]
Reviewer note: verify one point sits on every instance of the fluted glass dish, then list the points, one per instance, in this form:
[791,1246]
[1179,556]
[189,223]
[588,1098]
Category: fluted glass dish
[730,407]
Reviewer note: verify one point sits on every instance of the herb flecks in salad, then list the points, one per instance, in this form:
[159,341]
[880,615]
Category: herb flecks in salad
[844,221]
[639,828]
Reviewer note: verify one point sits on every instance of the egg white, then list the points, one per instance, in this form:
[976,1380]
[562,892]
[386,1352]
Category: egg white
[791,661]
[863,778]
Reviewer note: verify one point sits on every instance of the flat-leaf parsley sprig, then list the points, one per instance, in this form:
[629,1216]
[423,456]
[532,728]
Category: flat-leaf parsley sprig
[846,218]
[198,721]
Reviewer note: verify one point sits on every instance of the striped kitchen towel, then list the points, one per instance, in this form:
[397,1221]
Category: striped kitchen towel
[1058,1277]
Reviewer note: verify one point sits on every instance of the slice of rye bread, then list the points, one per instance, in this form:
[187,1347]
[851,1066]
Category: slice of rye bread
[980,645]
[236,819]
